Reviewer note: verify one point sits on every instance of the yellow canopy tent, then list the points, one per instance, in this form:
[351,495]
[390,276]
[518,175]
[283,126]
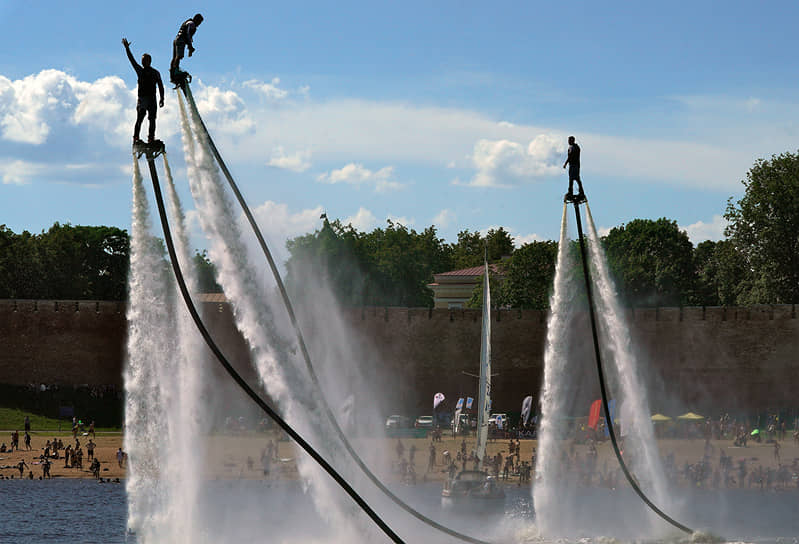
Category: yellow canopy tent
[660,417]
[691,416]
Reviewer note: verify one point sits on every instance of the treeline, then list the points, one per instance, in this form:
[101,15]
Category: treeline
[653,262]
[73,263]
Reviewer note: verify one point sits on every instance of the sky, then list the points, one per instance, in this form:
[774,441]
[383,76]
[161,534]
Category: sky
[446,113]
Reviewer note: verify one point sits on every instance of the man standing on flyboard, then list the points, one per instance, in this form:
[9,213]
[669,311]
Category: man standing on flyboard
[182,40]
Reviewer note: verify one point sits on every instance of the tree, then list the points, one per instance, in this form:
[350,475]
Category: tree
[389,266]
[206,273]
[764,227]
[498,244]
[468,251]
[722,277]
[652,262]
[529,275]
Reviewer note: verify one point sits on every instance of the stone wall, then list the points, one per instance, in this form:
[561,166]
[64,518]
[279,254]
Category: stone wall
[706,359]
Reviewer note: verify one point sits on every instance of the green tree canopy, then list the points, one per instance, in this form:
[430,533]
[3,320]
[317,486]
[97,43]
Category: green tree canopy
[652,262]
[764,228]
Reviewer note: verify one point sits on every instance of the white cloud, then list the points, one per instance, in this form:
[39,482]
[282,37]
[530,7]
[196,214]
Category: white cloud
[46,107]
[520,239]
[503,163]
[30,108]
[225,111]
[364,220]
[700,231]
[269,90]
[357,174]
[402,220]
[444,218]
[279,224]
[18,172]
[297,162]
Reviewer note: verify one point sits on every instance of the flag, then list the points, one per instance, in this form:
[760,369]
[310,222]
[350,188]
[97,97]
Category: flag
[593,414]
[438,398]
[527,405]
[500,422]
[469,401]
[612,410]
[459,404]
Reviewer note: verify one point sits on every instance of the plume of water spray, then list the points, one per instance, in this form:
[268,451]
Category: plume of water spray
[148,310]
[553,398]
[185,458]
[640,444]
[280,373]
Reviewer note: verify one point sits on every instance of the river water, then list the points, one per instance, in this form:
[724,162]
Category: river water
[67,511]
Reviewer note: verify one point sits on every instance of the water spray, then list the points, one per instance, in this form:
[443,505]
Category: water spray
[236,376]
[601,376]
[303,348]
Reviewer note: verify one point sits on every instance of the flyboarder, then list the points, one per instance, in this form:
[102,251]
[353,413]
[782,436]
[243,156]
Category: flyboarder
[148,79]
[182,40]
[573,160]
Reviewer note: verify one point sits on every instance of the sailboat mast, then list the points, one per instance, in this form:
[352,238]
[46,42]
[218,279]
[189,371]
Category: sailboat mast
[484,393]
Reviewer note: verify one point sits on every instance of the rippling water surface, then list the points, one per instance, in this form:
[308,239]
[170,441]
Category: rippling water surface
[67,511]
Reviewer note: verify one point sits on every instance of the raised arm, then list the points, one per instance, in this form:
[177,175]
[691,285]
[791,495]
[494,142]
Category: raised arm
[133,62]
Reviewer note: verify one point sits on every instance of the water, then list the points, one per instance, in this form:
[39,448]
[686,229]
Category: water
[549,496]
[61,511]
[624,369]
[43,512]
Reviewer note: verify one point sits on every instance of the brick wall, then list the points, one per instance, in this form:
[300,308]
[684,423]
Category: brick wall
[709,358]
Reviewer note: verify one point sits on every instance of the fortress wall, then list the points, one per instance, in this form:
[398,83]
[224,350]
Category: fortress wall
[707,359]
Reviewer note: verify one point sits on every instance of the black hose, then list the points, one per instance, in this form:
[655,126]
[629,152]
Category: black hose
[237,377]
[300,340]
[603,388]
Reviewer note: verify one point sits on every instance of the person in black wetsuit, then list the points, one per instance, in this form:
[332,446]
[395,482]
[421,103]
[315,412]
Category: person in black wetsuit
[183,40]
[148,79]
[573,160]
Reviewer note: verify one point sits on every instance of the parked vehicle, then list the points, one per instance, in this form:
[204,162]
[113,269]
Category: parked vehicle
[493,420]
[424,422]
[397,422]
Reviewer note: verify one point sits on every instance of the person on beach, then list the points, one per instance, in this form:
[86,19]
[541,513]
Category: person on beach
[95,468]
[431,462]
[21,467]
[90,449]
[148,79]
[46,469]
[27,424]
[27,441]
[120,457]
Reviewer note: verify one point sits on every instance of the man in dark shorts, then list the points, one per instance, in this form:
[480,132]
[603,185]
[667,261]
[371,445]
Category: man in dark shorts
[573,160]
[148,79]
[183,40]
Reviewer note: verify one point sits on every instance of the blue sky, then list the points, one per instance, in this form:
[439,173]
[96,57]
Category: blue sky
[449,113]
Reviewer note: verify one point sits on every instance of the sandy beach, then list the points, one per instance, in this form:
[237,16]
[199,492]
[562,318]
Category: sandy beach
[237,456]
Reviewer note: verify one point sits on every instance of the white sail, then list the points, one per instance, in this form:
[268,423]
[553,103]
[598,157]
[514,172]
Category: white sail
[484,393]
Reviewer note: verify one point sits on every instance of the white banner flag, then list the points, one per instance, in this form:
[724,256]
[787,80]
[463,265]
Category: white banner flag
[469,402]
[438,398]
[527,405]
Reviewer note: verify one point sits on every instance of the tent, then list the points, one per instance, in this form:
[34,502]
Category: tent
[691,416]
[660,417]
